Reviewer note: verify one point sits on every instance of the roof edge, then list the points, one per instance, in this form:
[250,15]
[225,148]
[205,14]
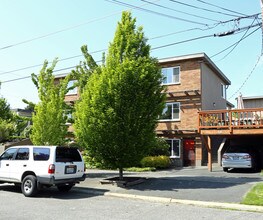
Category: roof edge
[205,60]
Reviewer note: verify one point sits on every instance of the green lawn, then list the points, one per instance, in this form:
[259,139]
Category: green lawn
[254,196]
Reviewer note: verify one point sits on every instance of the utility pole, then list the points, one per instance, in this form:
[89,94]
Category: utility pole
[261,5]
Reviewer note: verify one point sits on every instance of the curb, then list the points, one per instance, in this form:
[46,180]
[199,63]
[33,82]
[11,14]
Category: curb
[218,205]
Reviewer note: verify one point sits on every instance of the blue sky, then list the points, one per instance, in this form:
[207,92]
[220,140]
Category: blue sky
[34,30]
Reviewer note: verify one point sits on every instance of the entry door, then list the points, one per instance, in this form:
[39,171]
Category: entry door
[189,152]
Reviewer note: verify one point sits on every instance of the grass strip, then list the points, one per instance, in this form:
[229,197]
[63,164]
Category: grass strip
[254,196]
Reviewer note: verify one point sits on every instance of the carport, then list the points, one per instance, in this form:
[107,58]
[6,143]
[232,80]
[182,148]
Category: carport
[243,124]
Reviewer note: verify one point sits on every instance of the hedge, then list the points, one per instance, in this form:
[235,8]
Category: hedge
[160,162]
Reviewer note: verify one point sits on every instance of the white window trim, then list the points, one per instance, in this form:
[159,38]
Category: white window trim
[172,140]
[176,119]
[72,91]
[223,91]
[173,83]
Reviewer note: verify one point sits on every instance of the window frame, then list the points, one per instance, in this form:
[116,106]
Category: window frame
[179,75]
[72,91]
[223,90]
[172,147]
[172,113]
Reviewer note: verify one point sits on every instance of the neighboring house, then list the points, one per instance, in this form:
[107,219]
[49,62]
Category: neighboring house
[253,102]
[22,112]
[194,83]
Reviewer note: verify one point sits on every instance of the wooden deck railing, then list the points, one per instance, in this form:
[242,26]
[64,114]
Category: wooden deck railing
[231,119]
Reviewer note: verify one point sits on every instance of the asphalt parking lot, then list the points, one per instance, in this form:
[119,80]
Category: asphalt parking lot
[189,183]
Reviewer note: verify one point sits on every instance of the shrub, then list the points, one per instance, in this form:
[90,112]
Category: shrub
[160,147]
[160,162]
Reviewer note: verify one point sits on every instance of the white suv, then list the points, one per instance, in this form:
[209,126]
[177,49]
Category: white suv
[37,166]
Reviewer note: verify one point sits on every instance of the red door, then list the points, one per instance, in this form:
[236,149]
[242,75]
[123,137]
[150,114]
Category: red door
[189,152]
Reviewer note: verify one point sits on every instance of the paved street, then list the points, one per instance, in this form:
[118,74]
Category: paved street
[156,198]
[191,184]
[51,204]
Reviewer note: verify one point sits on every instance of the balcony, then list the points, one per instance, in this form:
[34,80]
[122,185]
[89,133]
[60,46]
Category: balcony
[231,122]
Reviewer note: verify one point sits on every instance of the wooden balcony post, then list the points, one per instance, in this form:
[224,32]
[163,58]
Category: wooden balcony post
[207,142]
[209,150]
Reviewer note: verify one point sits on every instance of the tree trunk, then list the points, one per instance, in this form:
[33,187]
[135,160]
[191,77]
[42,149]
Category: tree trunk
[120,173]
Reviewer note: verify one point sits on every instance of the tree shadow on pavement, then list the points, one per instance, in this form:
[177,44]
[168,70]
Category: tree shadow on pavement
[202,188]
[192,182]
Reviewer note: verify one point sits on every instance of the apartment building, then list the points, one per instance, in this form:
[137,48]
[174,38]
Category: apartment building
[193,83]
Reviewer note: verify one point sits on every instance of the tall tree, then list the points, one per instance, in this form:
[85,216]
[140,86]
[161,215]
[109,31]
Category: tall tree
[117,114]
[5,112]
[49,118]
[7,126]
[85,69]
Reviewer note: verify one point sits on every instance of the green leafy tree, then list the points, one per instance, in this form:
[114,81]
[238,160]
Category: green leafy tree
[5,112]
[84,70]
[7,126]
[49,119]
[117,114]
[30,105]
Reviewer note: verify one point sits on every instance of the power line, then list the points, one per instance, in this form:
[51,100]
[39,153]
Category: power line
[204,9]
[186,13]
[59,31]
[102,18]
[238,42]
[183,31]
[76,26]
[67,58]
[154,12]
[155,48]
[247,78]
[234,43]
[184,41]
[103,50]
[220,7]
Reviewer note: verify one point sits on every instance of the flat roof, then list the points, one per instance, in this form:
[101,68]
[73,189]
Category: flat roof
[201,56]
[61,75]
[252,97]
[204,58]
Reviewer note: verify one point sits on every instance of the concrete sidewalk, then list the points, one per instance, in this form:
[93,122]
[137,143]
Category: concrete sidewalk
[194,186]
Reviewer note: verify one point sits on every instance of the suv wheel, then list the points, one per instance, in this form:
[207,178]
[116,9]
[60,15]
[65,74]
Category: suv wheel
[29,186]
[64,188]
[225,169]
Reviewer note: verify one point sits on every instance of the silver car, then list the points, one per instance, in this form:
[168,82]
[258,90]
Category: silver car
[239,157]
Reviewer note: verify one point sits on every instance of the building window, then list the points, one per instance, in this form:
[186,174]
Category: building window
[171,75]
[73,91]
[223,91]
[171,111]
[174,147]
[69,116]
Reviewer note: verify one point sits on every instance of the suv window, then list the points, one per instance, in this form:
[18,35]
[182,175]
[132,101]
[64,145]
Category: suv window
[8,154]
[65,154]
[41,154]
[22,154]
